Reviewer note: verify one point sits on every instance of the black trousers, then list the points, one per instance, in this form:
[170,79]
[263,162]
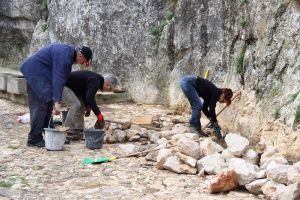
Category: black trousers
[40,113]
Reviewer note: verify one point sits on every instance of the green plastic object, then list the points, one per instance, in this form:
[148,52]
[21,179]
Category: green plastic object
[87,161]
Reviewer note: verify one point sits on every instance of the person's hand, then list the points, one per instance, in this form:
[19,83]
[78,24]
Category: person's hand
[57,106]
[55,112]
[216,129]
[87,111]
[100,118]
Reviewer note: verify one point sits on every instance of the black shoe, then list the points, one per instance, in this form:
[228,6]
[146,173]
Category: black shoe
[67,141]
[201,133]
[75,136]
[40,143]
[198,131]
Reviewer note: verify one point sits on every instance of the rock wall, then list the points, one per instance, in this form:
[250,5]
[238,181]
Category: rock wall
[150,44]
[17,22]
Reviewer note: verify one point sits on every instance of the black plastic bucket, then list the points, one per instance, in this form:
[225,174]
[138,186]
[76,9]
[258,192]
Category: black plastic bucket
[94,138]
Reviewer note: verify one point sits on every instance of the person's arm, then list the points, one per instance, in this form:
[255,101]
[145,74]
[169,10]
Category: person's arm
[205,109]
[212,109]
[92,88]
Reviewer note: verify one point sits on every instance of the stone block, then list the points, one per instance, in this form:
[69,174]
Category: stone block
[16,85]
[3,81]
[110,97]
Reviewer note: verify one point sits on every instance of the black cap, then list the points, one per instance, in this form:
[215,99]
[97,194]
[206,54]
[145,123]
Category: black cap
[86,52]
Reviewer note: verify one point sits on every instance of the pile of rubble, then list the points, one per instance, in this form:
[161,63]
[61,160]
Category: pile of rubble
[260,169]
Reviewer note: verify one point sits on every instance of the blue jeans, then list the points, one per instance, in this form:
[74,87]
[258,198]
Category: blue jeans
[40,113]
[188,86]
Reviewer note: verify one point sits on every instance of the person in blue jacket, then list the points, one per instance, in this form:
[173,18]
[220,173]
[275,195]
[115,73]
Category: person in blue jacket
[45,73]
[194,87]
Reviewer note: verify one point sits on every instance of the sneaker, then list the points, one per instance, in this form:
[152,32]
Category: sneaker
[40,143]
[198,131]
[74,136]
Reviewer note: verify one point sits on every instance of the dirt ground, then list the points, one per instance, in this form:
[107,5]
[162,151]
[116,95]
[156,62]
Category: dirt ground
[35,173]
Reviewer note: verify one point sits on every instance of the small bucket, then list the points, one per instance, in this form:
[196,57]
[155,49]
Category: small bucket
[94,138]
[54,139]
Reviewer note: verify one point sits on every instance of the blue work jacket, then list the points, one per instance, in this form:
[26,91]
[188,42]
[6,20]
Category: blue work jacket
[47,70]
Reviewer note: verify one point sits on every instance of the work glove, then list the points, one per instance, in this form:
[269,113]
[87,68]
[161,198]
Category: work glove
[216,129]
[100,118]
[57,106]
[87,111]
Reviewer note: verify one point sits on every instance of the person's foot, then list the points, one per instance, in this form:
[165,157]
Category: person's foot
[198,131]
[67,141]
[74,136]
[40,143]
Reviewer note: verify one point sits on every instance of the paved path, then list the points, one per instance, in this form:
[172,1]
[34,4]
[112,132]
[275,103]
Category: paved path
[34,173]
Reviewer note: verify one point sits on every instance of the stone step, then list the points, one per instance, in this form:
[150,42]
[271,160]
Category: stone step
[104,98]
[15,84]
[13,87]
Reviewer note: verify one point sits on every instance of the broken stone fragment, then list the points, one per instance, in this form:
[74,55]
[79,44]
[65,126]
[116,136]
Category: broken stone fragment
[245,171]
[187,159]
[224,182]
[236,144]
[272,189]
[254,187]
[173,164]
[162,156]
[189,148]
[210,147]
[212,164]
[250,156]
[290,192]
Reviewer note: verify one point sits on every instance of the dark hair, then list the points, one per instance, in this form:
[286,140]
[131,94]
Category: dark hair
[227,95]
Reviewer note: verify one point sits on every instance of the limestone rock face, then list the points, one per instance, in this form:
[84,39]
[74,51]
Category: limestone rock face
[18,20]
[254,43]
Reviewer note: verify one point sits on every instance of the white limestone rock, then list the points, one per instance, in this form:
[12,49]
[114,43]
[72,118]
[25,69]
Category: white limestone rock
[212,164]
[189,148]
[236,144]
[254,187]
[245,171]
[250,156]
[210,147]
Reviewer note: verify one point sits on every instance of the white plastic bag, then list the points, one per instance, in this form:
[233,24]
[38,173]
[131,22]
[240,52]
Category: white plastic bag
[24,118]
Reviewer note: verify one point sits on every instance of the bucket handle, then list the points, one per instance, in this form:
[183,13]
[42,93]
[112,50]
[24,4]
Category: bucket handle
[98,138]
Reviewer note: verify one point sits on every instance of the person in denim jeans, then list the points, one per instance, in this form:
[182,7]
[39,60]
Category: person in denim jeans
[194,87]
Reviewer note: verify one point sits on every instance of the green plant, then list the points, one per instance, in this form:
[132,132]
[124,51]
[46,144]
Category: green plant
[239,63]
[5,184]
[19,47]
[171,1]
[297,115]
[44,4]
[274,92]
[169,15]
[243,2]
[276,114]
[24,181]
[243,22]
[294,96]
[13,147]
[44,27]
[157,30]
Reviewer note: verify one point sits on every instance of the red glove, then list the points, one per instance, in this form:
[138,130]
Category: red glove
[100,118]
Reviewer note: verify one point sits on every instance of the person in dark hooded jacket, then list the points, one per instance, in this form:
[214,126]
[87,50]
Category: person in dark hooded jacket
[194,87]
[45,73]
